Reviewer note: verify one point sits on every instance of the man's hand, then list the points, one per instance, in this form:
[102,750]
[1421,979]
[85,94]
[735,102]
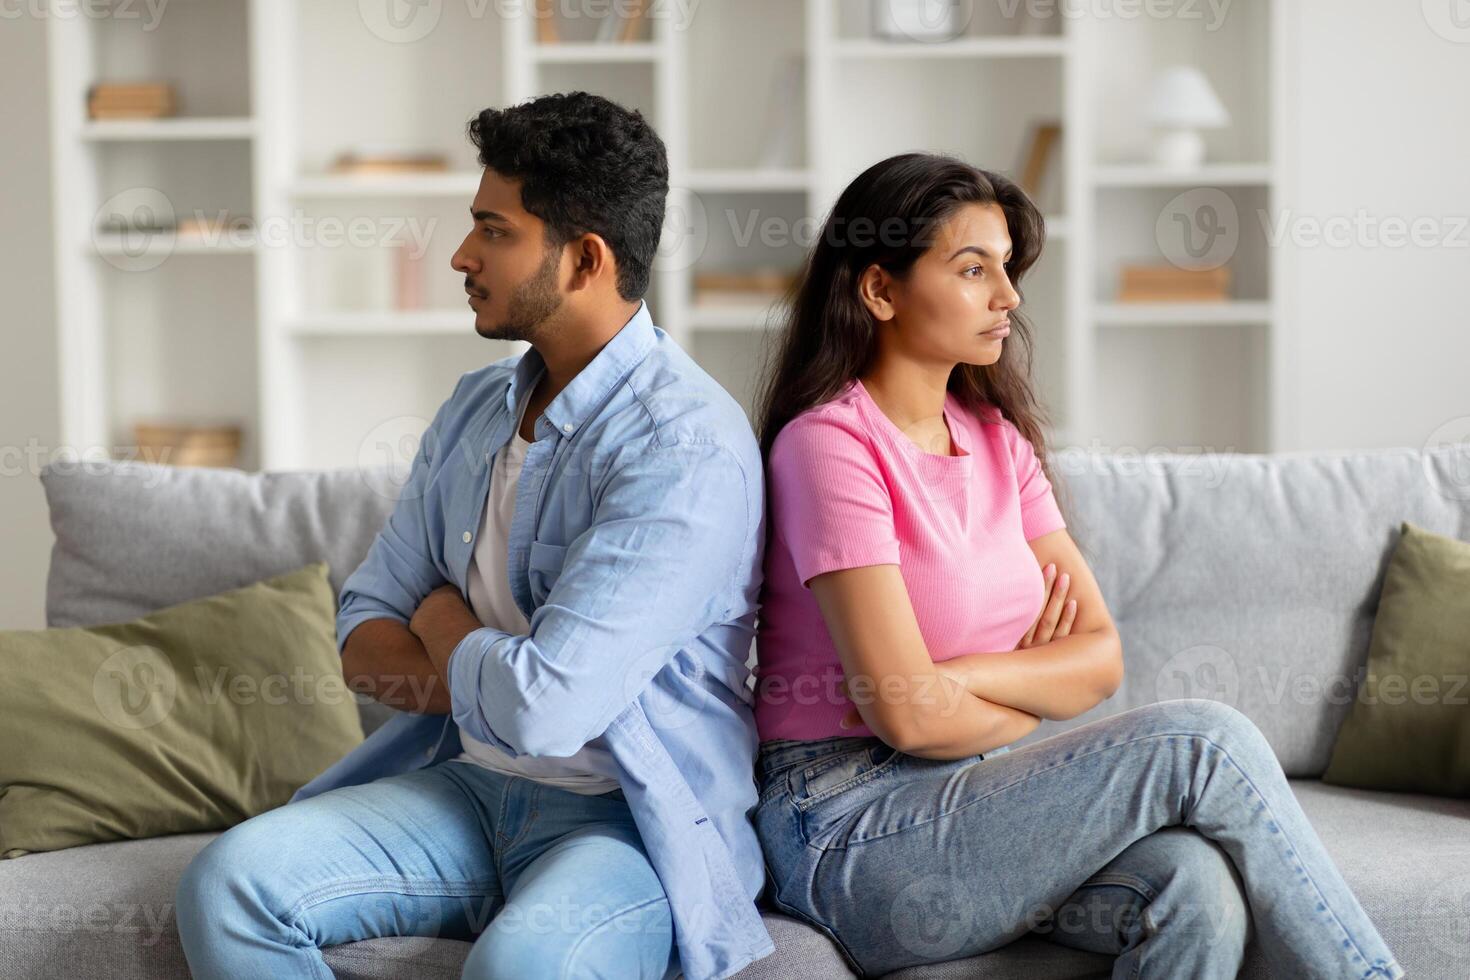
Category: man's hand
[440,622]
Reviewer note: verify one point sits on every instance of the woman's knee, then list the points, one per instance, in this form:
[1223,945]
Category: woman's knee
[1220,722]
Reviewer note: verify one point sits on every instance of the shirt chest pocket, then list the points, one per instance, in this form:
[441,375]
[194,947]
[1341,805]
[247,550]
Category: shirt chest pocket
[544,568]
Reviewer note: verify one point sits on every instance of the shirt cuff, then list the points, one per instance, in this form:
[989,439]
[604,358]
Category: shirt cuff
[465,663]
[352,620]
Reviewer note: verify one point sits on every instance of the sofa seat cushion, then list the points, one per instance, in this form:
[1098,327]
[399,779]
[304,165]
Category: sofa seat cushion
[107,909]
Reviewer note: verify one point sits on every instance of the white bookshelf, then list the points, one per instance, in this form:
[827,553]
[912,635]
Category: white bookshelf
[272,89]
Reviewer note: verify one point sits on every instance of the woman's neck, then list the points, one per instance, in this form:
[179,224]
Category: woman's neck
[909,394]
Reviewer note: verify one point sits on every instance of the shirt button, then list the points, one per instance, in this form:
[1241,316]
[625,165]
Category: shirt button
[466,536]
[567,427]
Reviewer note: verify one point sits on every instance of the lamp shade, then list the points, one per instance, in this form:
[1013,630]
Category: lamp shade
[1181,97]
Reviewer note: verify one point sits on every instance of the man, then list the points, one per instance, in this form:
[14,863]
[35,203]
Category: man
[571,575]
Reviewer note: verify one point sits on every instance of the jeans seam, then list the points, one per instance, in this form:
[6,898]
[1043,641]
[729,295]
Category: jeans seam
[826,930]
[572,953]
[387,883]
[1126,880]
[504,842]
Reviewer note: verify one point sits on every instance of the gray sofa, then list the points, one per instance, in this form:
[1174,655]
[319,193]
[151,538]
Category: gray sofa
[1248,579]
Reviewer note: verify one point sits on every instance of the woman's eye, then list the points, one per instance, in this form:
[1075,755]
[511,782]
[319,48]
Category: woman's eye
[974,268]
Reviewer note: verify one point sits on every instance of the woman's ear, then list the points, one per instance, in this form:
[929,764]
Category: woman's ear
[875,288]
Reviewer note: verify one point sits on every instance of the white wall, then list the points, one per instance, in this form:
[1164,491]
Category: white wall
[28,403]
[1383,334]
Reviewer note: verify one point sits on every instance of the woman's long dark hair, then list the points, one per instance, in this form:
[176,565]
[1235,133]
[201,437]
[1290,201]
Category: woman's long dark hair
[829,337]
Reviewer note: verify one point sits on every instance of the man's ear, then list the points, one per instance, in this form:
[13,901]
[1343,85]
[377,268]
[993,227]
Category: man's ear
[592,259]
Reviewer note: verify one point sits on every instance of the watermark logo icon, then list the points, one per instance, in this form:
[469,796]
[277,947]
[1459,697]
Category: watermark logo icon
[1449,473]
[134,229]
[1198,229]
[135,687]
[400,21]
[1450,19]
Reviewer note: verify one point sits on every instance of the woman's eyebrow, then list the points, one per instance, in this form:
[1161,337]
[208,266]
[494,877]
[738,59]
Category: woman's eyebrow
[972,248]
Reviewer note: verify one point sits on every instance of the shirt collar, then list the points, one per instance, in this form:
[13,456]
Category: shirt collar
[587,391]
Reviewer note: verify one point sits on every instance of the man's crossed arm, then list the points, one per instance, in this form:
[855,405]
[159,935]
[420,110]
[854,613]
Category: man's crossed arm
[665,556]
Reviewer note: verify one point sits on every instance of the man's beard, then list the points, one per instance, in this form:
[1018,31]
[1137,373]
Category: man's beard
[532,302]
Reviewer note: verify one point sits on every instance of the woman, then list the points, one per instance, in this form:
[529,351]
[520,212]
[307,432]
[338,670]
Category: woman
[924,606]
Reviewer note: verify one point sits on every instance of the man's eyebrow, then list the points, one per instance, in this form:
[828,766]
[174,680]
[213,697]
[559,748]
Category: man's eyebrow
[971,248]
[489,216]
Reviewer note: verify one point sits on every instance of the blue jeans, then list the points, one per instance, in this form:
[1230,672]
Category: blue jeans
[1166,836]
[546,882]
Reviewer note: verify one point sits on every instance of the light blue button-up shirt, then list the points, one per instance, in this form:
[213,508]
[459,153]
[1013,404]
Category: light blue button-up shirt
[635,554]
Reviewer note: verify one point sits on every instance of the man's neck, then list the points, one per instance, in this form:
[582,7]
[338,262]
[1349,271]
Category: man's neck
[569,347]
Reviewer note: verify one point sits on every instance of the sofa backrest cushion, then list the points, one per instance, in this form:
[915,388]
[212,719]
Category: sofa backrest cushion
[134,537]
[1252,579]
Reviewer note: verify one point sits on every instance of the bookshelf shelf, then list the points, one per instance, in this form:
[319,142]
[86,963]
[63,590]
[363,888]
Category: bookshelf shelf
[592,52]
[455,185]
[165,245]
[169,128]
[970,47]
[752,179]
[390,322]
[1211,175]
[1240,312]
[755,316]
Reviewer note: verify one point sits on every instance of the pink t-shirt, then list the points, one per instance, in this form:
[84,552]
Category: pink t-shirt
[847,488]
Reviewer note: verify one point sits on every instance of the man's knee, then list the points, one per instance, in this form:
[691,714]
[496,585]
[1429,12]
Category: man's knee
[574,941]
[216,881]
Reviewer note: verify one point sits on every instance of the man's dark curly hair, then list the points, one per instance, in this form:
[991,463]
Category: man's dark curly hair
[586,164]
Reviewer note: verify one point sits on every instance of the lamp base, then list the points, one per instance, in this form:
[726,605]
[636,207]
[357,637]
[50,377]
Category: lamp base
[1179,149]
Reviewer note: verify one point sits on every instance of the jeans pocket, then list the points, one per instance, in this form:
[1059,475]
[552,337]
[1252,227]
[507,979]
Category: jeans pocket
[830,778]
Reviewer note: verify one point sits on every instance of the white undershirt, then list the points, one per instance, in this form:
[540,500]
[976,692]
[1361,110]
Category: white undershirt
[591,770]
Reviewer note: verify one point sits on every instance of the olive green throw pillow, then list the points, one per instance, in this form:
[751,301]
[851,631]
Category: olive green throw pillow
[1409,728]
[194,717]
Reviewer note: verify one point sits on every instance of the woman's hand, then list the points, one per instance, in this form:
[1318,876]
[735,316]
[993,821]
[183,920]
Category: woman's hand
[1058,613]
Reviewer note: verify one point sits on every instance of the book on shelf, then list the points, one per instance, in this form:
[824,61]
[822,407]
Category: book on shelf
[761,287]
[632,22]
[388,162]
[178,443]
[621,24]
[545,16]
[1171,284]
[131,100]
[1040,148]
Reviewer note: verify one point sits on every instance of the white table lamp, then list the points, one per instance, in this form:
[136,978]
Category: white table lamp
[1181,103]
